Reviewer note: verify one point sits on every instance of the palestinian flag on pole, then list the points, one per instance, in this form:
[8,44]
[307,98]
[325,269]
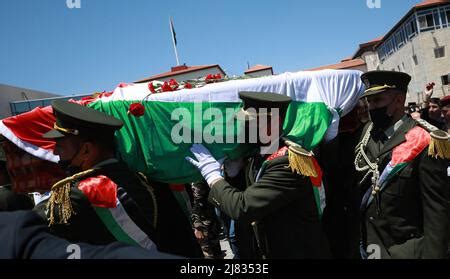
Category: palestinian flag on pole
[157,142]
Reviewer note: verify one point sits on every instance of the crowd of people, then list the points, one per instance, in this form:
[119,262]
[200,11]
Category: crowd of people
[433,110]
[379,190]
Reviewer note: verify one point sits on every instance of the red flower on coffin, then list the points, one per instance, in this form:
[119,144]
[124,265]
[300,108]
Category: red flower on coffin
[209,76]
[151,87]
[174,84]
[217,76]
[136,109]
[187,85]
[166,87]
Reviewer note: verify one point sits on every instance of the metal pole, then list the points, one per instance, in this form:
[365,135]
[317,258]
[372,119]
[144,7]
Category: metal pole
[174,40]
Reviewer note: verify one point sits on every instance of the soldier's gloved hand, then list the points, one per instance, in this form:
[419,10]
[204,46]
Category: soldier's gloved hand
[209,167]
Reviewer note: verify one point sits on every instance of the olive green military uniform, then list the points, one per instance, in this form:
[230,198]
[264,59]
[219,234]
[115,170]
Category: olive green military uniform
[157,213]
[412,221]
[281,207]
[408,216]
[109,202]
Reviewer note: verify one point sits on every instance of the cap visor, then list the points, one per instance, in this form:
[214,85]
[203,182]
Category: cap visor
[370,93]
[53,134]
[244,115]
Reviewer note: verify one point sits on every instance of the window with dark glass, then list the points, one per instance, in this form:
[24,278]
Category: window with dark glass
[444,79]
[436,19]
[426,22]
[439,52]
[399,38]
[410,28]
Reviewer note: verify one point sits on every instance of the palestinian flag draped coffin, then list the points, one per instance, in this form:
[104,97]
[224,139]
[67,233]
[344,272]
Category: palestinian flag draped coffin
[157,141]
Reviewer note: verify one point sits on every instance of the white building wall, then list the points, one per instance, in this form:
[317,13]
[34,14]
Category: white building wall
[261,73]
[371,59]
[428,67]
[362,68]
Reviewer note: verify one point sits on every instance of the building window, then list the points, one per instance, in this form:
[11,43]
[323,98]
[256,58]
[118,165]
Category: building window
[447,12]
[445,79]
[411,28]
[390,48]
[400,38]
[437,20]
[439,52]
[426,22]
[443,19]
[382,52]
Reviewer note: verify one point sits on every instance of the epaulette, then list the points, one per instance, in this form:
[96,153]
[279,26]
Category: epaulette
[439,143]
[300,159]
[60,198]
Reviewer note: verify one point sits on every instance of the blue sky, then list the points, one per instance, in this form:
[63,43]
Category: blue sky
[46,46]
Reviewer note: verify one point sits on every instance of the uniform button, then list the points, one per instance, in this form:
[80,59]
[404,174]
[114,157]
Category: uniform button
[371,218]
[411,235]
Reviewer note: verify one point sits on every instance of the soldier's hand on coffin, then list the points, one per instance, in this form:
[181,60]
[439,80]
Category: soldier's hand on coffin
[208,166]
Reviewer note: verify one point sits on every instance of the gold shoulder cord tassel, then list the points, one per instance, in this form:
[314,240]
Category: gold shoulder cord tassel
[60,198]
[439,145]
[300,160]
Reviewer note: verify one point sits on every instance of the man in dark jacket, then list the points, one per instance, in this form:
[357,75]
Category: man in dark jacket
[25,235]
[277,215]
[102,201]
[405,190]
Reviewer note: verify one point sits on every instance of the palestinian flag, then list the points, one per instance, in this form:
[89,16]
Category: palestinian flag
[417,139]
[157,142]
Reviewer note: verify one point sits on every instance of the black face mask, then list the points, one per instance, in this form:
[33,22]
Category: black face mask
[66,165]
[380,118]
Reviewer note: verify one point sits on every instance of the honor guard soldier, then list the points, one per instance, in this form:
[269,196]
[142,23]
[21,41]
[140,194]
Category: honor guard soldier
[276,212]
[102,201]
[403,165]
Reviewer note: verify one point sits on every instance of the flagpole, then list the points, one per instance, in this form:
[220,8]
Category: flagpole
[174,40]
